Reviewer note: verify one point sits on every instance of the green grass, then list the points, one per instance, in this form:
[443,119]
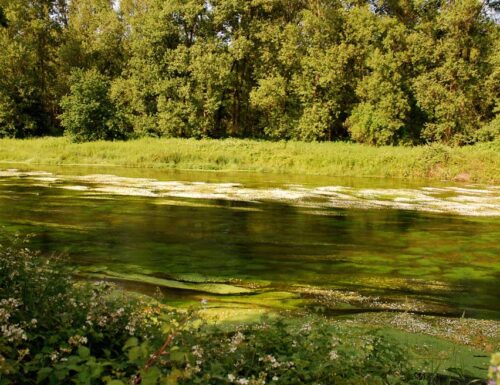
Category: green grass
[479,163]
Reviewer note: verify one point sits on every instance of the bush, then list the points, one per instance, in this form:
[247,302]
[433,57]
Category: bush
[88,111]
[373,125]
[56,332]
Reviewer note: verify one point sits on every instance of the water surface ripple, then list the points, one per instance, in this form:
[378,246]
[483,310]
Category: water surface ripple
[341,246]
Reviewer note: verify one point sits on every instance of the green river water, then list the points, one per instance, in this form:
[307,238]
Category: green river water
[331,245]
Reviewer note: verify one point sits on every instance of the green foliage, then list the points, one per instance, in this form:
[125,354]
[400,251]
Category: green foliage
[30,88]
[3,19]
[93,38]
[384,108]
[377,72]
[453,65]
[327,72]
[89,112]
[287,353]
[270,99]
[56,332]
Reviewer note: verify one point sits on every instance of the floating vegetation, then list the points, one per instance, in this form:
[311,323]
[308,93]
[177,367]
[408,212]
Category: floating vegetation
[473,200]
[214,288]
[339,300]
[482,334]
[407,284]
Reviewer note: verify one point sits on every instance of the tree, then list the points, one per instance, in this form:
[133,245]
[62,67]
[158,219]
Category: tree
[376,71]
[451,59]
[93,37]
[328,72]
[383,113]
[89,112]
[29,87]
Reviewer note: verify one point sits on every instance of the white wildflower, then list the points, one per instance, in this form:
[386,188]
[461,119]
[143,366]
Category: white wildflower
[13,333]
[197,351]
[306,328]
[54,356]
[272,360]
[236,341]
[77,340]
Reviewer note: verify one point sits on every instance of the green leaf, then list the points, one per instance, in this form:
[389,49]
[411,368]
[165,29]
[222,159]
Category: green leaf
[172,377]
[131,342]
[178,356]
[83,352]
[135,353]
[151,376]
[43,374]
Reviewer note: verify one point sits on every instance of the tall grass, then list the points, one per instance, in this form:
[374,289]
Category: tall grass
[479,163]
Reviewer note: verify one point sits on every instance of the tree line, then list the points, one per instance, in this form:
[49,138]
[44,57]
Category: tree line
[370,71]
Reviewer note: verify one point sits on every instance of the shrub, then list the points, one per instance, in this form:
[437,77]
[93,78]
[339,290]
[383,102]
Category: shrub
[54,331]
[373,125]
[88,111]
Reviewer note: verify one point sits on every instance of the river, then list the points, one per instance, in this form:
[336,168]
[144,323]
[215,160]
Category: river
[237,240]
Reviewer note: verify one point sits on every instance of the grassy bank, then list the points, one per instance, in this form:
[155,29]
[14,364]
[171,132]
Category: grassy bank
[480,163]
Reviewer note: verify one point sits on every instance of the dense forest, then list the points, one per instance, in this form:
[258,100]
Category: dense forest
[370,71]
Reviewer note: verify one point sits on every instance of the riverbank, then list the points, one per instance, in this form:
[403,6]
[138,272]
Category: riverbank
[479,163]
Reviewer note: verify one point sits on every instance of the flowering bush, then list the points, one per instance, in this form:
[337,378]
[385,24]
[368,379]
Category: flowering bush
[53,330]
[286,352]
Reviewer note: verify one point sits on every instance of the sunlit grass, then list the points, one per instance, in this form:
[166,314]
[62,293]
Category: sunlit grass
[479,163]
